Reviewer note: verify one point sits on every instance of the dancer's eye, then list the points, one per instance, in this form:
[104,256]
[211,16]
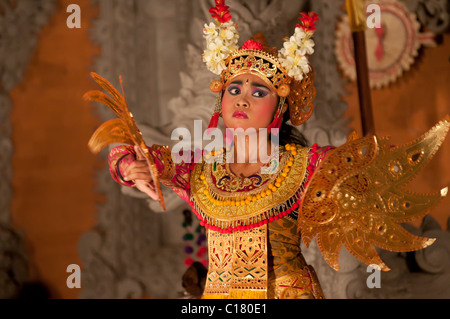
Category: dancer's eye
[260,93]
[234,90]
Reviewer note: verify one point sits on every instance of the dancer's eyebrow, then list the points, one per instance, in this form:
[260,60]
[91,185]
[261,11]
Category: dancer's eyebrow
[238,82]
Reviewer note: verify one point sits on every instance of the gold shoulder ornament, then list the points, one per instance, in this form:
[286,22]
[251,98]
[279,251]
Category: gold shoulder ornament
[120,130]
[357,197]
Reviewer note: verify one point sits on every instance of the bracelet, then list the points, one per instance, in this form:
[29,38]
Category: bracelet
[118,168]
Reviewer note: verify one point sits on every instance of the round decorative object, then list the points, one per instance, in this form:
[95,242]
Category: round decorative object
[216,86]
[283,90]
[391,48]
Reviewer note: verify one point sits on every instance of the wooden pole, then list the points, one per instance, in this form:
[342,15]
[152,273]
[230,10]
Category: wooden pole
[356,14]
[363,81]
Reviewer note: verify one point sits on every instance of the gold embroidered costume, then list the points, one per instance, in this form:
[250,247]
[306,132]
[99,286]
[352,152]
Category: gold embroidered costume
[254,247]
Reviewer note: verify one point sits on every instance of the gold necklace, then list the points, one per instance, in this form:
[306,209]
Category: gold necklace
[243,200]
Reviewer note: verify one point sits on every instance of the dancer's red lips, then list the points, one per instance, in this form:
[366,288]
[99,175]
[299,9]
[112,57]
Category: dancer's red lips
[240,115]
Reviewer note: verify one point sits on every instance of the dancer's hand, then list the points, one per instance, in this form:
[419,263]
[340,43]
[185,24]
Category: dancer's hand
[139,172]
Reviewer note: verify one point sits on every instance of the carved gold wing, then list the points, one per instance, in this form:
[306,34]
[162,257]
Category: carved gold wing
[357,197]
[120,130]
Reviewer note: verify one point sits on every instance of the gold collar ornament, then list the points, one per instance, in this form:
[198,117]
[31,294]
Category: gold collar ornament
[227,203]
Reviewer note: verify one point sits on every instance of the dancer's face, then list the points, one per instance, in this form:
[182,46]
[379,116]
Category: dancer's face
[248,103]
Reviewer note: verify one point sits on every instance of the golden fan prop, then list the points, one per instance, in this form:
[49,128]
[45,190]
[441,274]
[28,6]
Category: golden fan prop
[121,130]
[357,197]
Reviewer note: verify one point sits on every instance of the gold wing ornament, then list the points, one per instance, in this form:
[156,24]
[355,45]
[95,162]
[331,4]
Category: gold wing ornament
[357,197]
[121,130]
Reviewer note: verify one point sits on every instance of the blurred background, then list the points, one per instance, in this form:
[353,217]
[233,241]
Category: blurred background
[58,203]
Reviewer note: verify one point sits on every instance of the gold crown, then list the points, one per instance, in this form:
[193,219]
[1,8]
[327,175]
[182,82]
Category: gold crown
[260,62]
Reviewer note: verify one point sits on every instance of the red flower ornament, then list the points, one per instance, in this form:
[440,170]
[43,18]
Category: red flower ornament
[220,12]
[253,45]
[307,21]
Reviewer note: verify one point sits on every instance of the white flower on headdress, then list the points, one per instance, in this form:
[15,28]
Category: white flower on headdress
[221,40]
[228,32]
[296,66]
[210,31]
[293,54]
[214,63]
[304,41]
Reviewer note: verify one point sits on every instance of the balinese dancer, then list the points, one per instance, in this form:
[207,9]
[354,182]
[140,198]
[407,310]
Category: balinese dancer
[255,211]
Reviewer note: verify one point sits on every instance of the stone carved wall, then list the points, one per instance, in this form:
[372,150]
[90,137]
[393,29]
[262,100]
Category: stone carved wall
[432,14]
[20,24]
[128,255]
[136,251]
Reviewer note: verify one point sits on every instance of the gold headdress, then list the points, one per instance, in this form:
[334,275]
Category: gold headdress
[286,71]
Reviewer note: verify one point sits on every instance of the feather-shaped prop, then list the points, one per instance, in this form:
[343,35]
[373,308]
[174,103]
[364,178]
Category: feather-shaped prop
[357,197]
[120,130]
